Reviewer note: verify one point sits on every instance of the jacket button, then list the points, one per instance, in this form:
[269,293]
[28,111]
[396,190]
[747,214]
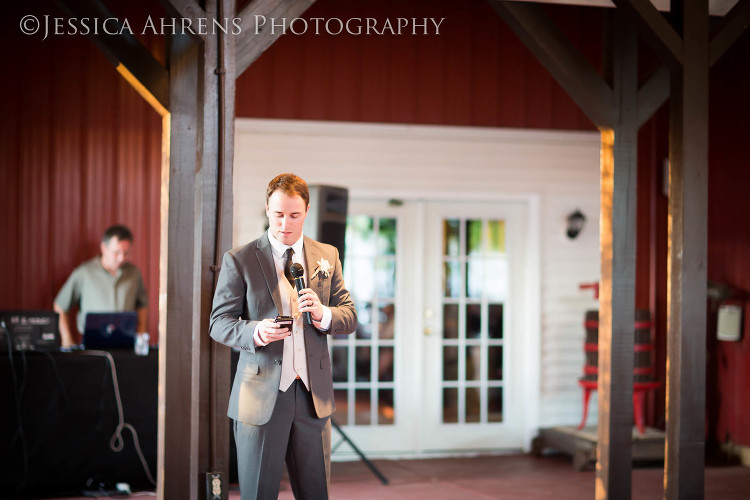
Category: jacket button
[277,361]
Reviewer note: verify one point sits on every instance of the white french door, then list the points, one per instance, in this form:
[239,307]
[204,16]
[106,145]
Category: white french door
[434,364]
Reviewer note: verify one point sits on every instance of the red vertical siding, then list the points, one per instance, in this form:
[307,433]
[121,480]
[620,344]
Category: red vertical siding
[77,155]
[476,72]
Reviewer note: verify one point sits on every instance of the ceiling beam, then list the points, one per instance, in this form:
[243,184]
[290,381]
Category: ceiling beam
[256,35]
[186,9]
[729,30]
[666,42]
[566,64]
[134,61]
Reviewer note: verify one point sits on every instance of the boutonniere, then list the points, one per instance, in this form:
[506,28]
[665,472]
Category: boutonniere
[324,268]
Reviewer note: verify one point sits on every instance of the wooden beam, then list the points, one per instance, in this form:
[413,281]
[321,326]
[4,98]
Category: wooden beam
[619,167]
[729,30]
[186,9]
[653,94]
[196,370]
[566,64]
[655,29]
[175,346]
[256,36]
[147,75]
[687,260]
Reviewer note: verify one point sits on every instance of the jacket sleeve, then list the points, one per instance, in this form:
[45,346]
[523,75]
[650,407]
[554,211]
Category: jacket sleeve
[229,323]
[343,314]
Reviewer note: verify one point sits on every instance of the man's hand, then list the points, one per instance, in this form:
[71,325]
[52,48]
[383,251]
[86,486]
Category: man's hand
[270,331]
[309,302]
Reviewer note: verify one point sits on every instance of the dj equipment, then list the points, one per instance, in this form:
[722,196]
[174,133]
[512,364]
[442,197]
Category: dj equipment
[29,330]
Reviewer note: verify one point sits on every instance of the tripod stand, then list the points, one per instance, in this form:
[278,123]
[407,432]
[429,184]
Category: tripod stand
[362,456]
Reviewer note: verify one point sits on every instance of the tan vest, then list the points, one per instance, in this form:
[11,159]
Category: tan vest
[294,360]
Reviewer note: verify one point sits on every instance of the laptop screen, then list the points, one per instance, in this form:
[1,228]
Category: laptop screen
[110,330]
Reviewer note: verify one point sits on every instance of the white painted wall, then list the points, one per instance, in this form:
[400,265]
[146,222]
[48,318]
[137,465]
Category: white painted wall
[555,171]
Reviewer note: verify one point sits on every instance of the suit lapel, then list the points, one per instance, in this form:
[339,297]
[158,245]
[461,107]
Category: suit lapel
[316,280]
[265,260]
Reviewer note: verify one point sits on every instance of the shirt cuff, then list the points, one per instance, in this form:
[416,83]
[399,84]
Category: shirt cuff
[256,337]
[325,322]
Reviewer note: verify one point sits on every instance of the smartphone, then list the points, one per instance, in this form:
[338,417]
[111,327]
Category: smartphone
[286,321]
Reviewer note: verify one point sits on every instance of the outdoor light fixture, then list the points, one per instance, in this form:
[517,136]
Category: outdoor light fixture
[576,220]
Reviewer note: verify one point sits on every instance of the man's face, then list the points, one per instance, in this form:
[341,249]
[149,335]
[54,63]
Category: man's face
[114,253]
[286,215]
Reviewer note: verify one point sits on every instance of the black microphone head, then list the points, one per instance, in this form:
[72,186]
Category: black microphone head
[297,270]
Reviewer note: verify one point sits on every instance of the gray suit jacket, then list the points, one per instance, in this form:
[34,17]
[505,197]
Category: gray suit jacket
[246,293]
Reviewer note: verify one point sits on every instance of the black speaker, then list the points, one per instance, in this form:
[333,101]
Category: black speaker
[326,221]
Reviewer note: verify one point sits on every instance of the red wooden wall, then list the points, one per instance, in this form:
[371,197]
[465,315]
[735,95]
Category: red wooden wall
[80,150]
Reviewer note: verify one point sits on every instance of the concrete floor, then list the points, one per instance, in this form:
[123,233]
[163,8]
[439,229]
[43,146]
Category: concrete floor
[500,477]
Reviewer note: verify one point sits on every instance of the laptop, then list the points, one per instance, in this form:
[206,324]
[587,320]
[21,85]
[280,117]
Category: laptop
[110,330]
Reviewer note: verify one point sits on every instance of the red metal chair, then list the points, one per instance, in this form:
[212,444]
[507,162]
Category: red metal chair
[644,370]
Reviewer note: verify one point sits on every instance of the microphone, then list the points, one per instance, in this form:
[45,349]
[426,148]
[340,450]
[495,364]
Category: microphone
[299,282]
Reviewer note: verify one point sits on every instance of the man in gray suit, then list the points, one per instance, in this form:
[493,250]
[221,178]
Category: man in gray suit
[282,396]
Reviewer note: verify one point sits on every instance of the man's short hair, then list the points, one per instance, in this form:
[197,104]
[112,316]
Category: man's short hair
[290,185]
[118,231]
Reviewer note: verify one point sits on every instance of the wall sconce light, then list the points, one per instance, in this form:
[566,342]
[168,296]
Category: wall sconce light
[576,221]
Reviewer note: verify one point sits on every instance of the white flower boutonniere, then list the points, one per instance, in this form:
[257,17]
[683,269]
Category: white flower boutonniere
[324,268]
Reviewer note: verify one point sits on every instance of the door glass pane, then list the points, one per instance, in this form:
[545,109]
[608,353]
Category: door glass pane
[496,237]
[340,364]
[473,362]
[386,278]
[362,409]
[450,405]
[451,238]
[450,321]
[495,272]
[385,364]
[364,318]
[495,404]
[359,276]
[450,363]
[495,321]
[342,406]
[385,407]
[386,317]
[363,364]
[495,363]
[473,405]
[473,237]
[476,275]
[387,239]
[473,321]
[452,282]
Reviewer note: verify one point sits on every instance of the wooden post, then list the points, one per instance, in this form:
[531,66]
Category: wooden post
[617,289]
[688,228]
[196,378]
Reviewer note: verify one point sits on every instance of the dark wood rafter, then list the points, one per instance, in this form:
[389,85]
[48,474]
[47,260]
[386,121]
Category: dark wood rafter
[655,29]
[147,75]
[186,9]
[566,64]
[729,30]
[254,39]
